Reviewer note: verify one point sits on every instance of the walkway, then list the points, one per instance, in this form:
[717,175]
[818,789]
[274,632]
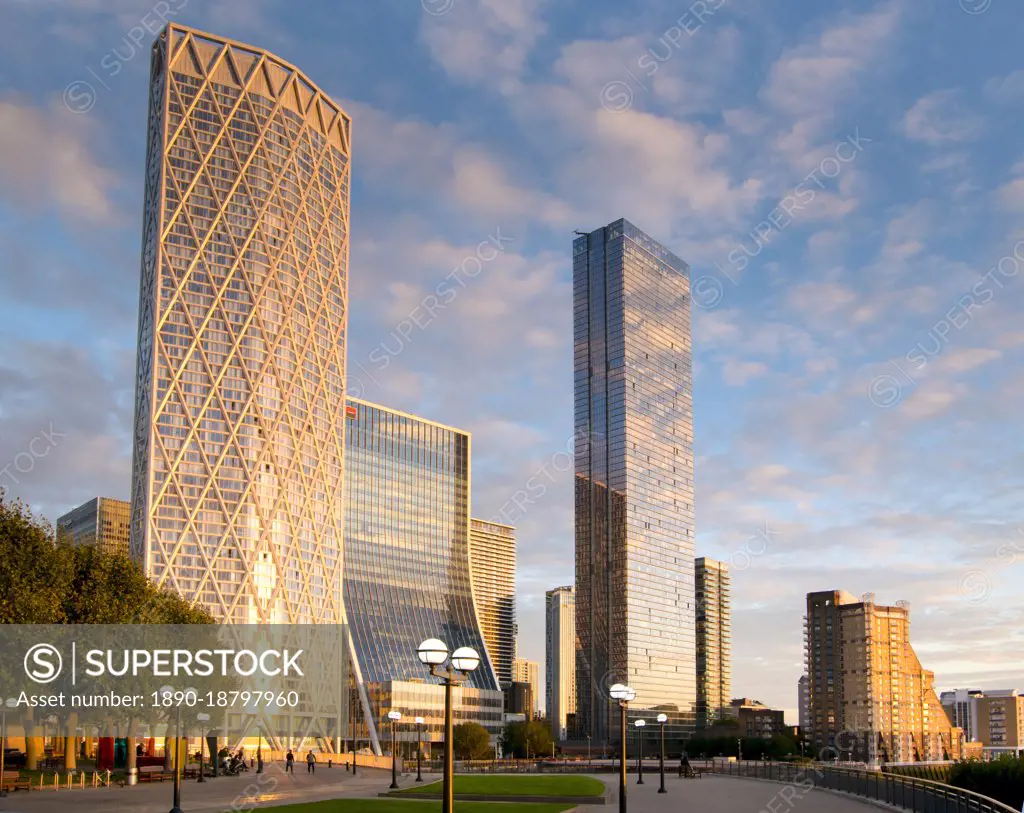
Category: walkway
[720,794]
[241,793]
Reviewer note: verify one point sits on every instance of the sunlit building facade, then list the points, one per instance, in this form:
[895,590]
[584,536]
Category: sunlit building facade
[634,479]
[492,554]
[103,522]
[407,566]
[239,415]
[527,671]
[870,698]
[560,659]
[714,641]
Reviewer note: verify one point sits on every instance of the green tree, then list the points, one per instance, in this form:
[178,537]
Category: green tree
[48,582]
[471,741]
[527,739]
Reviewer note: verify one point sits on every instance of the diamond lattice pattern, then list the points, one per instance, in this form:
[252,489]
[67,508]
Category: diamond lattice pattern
[236,492]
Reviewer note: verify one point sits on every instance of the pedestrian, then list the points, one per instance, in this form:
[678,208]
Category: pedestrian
[684,765]
[289,764]
[310,763]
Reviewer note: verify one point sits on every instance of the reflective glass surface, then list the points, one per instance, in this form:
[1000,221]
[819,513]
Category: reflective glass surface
[634,478]
[407,569]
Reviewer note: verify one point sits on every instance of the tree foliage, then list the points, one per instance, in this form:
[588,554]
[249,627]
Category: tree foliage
[528,739]
[1001,779]
[471,741]
[43,581]
[779,746]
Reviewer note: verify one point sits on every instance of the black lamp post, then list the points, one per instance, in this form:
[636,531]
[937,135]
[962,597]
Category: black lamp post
[452,669]
[662,719]
[10,703]
[622,694]
[394,717]
[169,690]
[419,749]
[639,724]
[355,707]
[202,718]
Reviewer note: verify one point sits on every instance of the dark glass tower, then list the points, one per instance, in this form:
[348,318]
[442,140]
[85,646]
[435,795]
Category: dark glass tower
[634,479]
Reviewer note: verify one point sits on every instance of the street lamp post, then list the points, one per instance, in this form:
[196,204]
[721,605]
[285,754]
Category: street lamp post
[662,719]
[203,718]
[9,704]
[419,749]
[588,750]
[640,750]
[177,746]
[622,694]
[452,669]
[394,717]
[259,749]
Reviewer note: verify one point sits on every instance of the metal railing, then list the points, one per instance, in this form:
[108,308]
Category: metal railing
[906,792]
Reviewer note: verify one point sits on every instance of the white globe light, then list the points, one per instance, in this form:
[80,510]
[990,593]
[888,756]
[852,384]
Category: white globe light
[465,659]
[621,692]
[640,723]
[419,721]
[394,716]
[12,702]
[662,718]
[203,718]
[433,652]
[166,690]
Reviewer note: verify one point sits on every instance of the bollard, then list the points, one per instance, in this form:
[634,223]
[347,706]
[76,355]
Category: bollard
[81,780]
[133,777]
[328,763]
[108,777]
[56,781]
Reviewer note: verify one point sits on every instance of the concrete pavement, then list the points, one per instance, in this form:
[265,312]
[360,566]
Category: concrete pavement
[235,793]
[721,794]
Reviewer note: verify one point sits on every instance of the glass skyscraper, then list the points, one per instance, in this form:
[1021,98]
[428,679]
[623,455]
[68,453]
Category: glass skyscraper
[714,641]
[634,479]
[407,566]
[239,413]
[102,522]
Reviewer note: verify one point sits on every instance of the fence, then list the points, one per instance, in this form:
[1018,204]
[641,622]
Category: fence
[906,792]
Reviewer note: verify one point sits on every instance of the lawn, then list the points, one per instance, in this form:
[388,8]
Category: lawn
[411,806]
[521,785]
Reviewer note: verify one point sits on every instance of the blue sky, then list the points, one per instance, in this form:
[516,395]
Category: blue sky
[846,181]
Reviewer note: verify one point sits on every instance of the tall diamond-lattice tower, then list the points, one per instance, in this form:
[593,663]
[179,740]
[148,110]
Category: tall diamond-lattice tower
[239,417]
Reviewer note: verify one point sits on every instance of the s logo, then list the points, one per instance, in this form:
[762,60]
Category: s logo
[43,663]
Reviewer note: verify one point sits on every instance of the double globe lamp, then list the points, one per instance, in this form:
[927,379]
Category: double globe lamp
[452,668]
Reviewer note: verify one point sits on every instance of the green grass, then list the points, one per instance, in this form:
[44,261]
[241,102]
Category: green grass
[527,785]
[414,806]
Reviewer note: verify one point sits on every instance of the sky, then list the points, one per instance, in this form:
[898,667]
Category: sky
[846,180]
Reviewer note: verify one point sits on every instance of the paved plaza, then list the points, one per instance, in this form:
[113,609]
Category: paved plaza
[721,794]
[712,794]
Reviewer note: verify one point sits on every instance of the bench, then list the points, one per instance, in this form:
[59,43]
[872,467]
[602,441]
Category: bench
[154,773]
[691,773]
[13,780]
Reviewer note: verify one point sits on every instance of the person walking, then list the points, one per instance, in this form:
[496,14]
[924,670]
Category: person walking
[684,765]
[289,762]
[310,763]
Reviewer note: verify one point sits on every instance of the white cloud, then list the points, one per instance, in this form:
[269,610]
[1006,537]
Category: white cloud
[485,41]
[941,118]
[812,77]
[1006,89]
[46,162]
[736,373]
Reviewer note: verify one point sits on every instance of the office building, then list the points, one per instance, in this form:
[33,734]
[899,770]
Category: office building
[102,521]
[1000,722]
[407,574]
[714,637]
[634,528]
[492,554]
[870,698]
[239,419]
[560,659]
[961,706]
[526,671]
[520,700]
[755,719]
[804,704]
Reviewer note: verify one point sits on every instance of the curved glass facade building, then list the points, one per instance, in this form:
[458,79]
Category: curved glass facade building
[239,410]
[407,565]
[634,479]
